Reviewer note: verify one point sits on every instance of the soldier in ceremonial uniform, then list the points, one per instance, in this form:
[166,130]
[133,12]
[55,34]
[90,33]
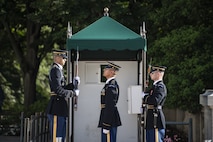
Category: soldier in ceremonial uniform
[154,100]
[57,109]
[109,116]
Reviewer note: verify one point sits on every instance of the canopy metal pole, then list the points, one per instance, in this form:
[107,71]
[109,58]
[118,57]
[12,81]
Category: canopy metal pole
[143,136]
[139,83]
[144,76]
[72,100]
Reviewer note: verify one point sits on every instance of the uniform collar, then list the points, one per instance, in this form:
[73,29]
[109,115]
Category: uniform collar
[60,66]
[108,80]
[156,82]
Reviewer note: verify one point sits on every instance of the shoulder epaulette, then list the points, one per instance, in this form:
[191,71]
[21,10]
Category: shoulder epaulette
[113,82]
[55,66]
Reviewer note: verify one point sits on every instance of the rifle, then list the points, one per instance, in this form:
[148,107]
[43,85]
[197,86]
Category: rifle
[76,82]
[147,76]
[144,102]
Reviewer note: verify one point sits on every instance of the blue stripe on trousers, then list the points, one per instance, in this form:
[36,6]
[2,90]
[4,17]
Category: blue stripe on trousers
[61,126]
[150,135]
[113,134]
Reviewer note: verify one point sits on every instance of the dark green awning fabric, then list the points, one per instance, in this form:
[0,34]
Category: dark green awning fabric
[106,34]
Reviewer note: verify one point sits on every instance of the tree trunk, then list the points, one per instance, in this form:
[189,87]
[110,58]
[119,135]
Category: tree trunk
[30,70]
[31,63]
[29,88]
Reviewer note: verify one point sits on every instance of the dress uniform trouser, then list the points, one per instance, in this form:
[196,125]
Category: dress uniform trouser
[61,127]
[112,133]
[150,135]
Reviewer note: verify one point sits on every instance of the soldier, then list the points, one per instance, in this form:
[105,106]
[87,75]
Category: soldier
[109,116]
[155,120]
[57,109]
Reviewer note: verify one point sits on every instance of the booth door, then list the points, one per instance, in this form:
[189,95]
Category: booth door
[87,115]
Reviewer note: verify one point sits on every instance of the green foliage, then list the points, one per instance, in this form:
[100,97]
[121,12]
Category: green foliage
[38,106]
[183,42]
[187,65]
[43,76]
[9,74]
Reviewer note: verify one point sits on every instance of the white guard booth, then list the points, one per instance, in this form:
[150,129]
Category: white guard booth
[106,40]
[87,115]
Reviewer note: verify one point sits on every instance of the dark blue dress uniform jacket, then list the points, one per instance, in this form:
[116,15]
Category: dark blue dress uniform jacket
[109,116]
[57,104]
[156,97]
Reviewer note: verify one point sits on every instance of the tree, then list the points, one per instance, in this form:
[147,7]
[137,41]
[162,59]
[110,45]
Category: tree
[183,42]
[179,36]
[32,35]
[33,28]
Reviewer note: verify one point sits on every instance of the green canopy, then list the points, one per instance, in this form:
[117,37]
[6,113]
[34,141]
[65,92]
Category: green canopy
[106,34]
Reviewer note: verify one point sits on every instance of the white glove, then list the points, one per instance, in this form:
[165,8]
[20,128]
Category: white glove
[105,131]
[77,80]
[143,94]
[77,92]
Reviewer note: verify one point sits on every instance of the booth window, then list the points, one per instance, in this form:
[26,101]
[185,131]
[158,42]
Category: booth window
[103,79]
